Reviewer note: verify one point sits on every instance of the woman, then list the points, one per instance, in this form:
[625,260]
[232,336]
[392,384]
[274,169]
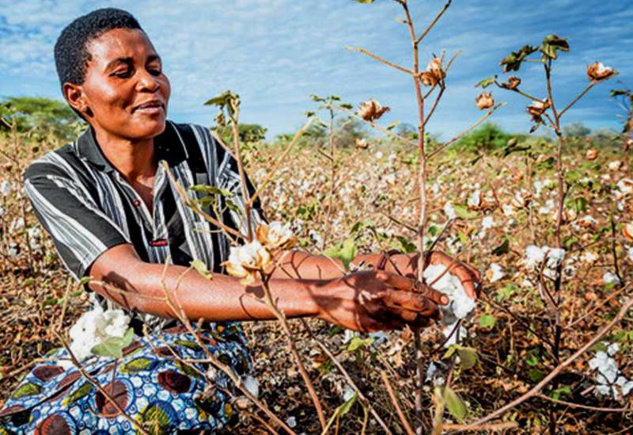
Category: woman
[114,214]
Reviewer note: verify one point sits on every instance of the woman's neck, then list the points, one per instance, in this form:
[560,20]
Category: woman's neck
[134,160]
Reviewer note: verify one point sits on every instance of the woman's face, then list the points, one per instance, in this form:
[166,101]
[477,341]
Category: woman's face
[125,93]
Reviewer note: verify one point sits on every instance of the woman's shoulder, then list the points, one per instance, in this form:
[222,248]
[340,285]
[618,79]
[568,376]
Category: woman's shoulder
[60,162]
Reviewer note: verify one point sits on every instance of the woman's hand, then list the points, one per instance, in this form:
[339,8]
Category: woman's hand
[469,277]
[371,301]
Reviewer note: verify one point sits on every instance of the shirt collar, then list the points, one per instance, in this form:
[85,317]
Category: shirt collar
[168,146]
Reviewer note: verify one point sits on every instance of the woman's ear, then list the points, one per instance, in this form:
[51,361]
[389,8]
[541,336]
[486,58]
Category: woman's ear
[75,96]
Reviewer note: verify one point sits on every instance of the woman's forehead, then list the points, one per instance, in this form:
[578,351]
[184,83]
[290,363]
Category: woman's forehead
[120,43]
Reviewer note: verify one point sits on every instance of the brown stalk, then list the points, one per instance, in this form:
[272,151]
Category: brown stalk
[347,377]
[394,400]
[190,203]
[293,348]
[538,387]
[240,167]
[280,160]
[380,59]
[180,315]
[580,406]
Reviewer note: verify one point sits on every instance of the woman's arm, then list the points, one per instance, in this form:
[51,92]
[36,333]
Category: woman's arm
[301,265]
[366,301]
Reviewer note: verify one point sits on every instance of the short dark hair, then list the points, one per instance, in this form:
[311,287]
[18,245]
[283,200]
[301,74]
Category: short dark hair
[71,53]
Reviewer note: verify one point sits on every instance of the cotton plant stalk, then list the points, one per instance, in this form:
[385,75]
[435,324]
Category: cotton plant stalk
[543,110]
[429,85]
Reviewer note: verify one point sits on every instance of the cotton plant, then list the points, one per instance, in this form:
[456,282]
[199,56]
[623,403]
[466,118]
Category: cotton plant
[96,326]
[607,375]
[460,305]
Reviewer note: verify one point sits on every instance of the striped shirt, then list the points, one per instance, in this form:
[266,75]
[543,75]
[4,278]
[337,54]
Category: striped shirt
[88,207]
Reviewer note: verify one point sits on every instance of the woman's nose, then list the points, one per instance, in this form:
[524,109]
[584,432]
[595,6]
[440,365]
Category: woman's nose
[147,81]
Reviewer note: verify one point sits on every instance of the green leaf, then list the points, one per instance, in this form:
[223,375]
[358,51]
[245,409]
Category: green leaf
[393,125]
[356,343]
[451,350]
[345,252]
[485,82]
[366,2]
[406,245]
[532,360]
[601,346]
[455,404]
[113,346]
[561,391]
[222,100]
[551,45]
[201,268]
[536,374]
[462,211]
[468,357]
[345,407]
[212,190]
[503,248]
[580,204]
[514,60]
[487,321]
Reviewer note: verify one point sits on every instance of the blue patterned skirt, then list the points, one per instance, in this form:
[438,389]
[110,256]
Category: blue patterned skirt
[155,383]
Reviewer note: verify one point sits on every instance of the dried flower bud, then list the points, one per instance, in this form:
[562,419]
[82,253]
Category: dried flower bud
[598,72]
[627,230]
[246,261]
[592,154]
[513,83]
[433,73]
[275,236]
[371,110]
[537,108]
[361,144]
[485,101]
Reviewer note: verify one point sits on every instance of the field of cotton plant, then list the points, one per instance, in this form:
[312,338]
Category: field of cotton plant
[493,212]
[547,218]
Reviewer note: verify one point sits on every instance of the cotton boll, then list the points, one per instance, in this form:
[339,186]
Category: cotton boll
[116,323]
[5,188]
[487,222]
[606,366]
[533,256]
[625,385]
[610,278]
[449,210]
[460,305]
[495,273]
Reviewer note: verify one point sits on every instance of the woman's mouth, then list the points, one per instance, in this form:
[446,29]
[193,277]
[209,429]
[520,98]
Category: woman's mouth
[149,107]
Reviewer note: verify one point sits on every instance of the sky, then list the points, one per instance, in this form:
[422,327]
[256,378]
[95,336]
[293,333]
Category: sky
[276,53]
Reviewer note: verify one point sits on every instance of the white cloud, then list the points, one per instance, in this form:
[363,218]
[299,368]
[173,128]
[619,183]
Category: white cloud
[275,53]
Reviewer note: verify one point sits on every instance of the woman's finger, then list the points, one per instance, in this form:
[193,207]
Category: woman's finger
[432,294]
[410,301]
[398,282]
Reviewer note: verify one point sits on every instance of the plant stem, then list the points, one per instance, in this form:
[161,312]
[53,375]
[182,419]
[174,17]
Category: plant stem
[293,348]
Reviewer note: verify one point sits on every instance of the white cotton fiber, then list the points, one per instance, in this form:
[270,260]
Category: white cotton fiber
[460,305]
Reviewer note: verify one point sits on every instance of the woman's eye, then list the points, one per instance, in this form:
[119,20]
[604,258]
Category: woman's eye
[124,74]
